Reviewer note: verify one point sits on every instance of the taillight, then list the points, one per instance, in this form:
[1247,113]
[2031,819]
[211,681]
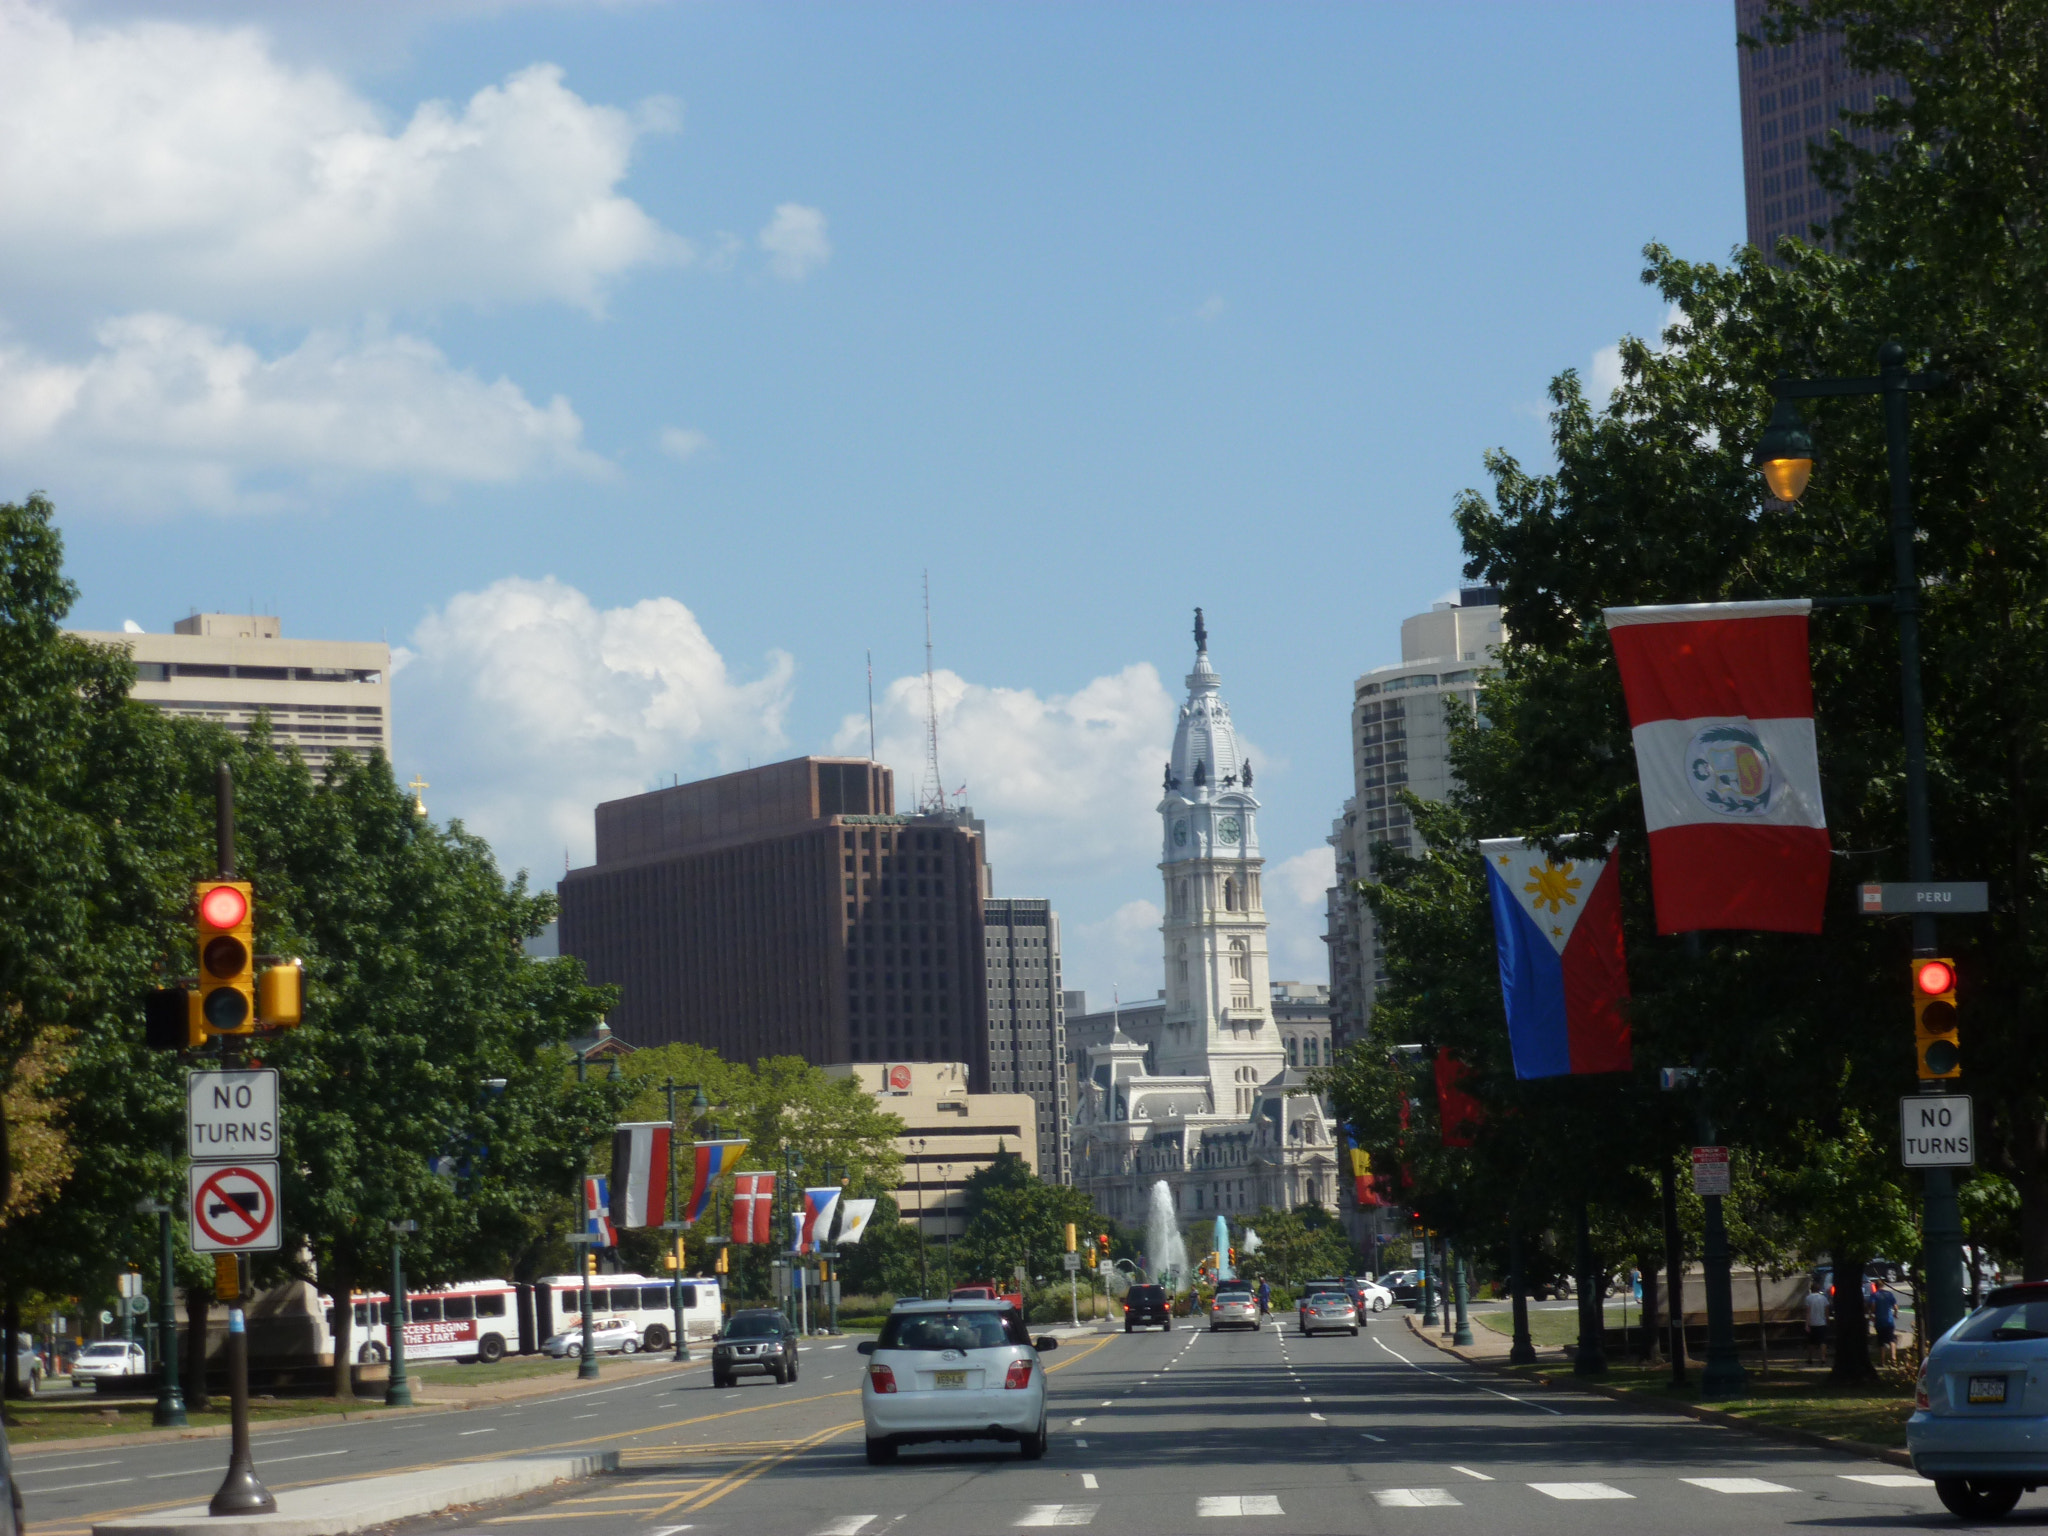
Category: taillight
[1020,1375]
[1920,1391]
[881,1378]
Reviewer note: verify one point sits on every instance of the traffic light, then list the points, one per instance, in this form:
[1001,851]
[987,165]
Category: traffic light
[1103,1238]
[225,930]
[170,1020]
[1070,1237]
[280,994]
[1233,1258]
[1934,1019]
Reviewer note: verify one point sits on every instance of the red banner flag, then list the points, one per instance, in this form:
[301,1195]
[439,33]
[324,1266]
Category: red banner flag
[1458,1113]
[1720,701]
[753,1207]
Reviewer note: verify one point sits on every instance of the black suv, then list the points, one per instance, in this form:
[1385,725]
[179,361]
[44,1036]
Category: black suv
[758,1339]
[1145,1305]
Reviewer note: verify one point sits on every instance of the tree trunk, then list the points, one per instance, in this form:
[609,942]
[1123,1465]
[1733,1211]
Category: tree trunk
[1852,1336]
[1651,1309]
[343,1291]
[1763,1327]
[197,1302]
[1674,1266]
[12,1323]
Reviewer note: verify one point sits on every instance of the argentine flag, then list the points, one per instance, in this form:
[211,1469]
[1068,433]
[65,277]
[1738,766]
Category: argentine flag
[1563,977]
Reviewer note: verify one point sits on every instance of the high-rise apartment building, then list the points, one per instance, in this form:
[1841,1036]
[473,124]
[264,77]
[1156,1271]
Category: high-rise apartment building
[323,695]
[1400,740]
[1027,1027]
[1793,96]
[788,910]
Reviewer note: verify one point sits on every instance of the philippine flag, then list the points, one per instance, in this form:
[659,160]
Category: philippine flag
[1563,976]
[1720,698]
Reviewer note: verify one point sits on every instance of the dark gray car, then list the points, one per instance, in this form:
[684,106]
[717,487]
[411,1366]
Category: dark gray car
[757,1339]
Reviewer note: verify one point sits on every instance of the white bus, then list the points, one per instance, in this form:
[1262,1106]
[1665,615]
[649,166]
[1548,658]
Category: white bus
[470,1320]
[645,1300]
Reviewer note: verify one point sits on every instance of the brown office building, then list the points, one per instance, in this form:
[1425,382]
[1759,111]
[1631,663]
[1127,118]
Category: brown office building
[787,910]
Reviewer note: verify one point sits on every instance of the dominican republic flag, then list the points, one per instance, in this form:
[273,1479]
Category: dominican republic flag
[640,1174]
[1458,1113]
[819,1208]
[1720,697]
[753,1208]
[1563,977]
[597,1220]
[714,1158]
[854,1216]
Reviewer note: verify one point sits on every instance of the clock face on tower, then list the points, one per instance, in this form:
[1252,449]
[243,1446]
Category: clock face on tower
[1180,834]
[1229,829]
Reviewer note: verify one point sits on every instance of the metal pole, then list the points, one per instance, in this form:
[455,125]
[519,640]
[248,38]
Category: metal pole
[170,1402]
[1523,1350]
[1674,1270]
[1446,1284]
[1722,1376]
[241,1492]
[398,1386]
[924,1279]
[1942,1222]
[1464,1334]
[1591,1359]
[1429,1318]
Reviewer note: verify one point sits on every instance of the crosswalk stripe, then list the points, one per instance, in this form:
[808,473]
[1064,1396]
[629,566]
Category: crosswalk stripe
[1885,1479]
[1478,1477]
[1580,1491]
[1735,1485]
[1059,1514]
[1233,1504]
[1414,1498]
[845,1525]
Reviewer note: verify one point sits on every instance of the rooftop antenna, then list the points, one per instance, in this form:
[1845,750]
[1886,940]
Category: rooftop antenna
[871,706]
[931,796]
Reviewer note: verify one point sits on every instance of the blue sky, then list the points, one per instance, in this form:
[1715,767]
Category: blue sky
[627,366]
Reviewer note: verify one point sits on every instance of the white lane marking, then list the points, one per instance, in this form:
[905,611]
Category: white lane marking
[1088,1480]
[1886,1479]
[1479,1477]
[828,1346]
[286,1434]
[1059,1514]
[1735,1485]
[1319,1418]
[1077,1423]
[1580,1491]
[1414,1498]
[669,1530]
[277,1461]
[68,1487]
[1231,1505]
[1539,1407]
[1375,1439]
[1308,1399]
[1105,1403]
[468,1432]
[69,1466]
[586,1415]
[845,1525]
[157,1477]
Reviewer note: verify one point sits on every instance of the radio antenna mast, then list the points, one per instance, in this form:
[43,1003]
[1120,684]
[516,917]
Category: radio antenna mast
[931,797]
[871,706]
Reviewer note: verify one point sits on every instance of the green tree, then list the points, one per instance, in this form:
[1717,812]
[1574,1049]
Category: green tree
[1014,1217]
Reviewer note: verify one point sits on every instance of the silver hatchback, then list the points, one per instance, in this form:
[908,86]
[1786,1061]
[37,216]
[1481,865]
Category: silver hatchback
[1980,1421]
[954,1370]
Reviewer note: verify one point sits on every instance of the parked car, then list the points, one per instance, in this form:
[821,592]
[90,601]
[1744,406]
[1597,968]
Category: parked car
[758,1339]
[1329,1312]
[1234,1309]
[1402,1284]
[954,1370]
[1145,1305]
[1371,1296]
[28,1364]
[608,1336]
[110,1360]
[1980,1419]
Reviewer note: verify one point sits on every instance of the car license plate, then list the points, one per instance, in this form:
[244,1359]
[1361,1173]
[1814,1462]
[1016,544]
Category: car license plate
[1987,1389]
[959,1379]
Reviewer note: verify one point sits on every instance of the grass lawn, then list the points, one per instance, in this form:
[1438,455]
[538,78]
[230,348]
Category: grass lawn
[1547,1330]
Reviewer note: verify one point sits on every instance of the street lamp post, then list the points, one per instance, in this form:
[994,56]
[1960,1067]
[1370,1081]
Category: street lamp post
[1429,1317]
[397,1388]
[924,1280]
[946,1220]
[1464,1333]
[1785,456]
[675,1226]
[170,1402]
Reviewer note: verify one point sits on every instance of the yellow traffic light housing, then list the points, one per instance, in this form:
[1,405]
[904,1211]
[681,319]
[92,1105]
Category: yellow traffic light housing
[1936,1049]
[224,924]
[281,994]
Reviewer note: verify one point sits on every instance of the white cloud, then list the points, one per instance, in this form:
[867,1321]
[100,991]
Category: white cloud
[683,443]
[795,242]
[1604,377]
[169,412]
[1211,308]
[158,164]
[543,704]
[1121,953]
[1296,903]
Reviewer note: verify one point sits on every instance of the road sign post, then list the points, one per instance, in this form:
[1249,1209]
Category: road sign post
[1936,1131]
[231,1115]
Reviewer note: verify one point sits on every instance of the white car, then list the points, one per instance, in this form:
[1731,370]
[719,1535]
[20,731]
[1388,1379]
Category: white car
[1373,1295]
[608,1336]
[954,1370]
[109,1360]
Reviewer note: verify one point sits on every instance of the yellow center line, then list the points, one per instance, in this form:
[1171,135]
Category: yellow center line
[706,1497]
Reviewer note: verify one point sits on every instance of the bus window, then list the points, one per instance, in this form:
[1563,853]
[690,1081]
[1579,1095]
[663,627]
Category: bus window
[362,1314]
[424,1309]
[655,1298]
[491,1305]
[568,1304]
[689,1296]
[458,1309]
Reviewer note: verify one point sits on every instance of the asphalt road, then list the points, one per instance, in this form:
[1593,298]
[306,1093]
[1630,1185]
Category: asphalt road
[1157,1433]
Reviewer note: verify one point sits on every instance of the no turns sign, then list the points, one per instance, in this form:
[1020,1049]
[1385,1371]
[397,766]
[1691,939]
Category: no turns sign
[234,1207]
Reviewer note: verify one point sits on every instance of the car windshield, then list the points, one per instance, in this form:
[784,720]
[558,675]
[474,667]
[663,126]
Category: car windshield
[752,1328]
[945,1330]
[1332,1299]
[1233,1295]
[107,1349]
[1147,1293]
[2021,1320]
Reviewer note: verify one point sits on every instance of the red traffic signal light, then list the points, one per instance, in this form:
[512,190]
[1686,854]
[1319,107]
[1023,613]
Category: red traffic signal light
[223,906]
[225,932]
[1934,977]
[1937,1052]
[1103,1238]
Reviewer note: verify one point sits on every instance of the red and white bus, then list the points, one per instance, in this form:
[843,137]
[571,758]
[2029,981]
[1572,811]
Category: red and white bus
[645,1300]
[470,1320]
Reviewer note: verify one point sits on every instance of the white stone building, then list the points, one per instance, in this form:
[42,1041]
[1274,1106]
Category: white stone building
[1197,1090]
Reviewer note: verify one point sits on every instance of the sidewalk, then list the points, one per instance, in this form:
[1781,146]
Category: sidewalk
[331,1509]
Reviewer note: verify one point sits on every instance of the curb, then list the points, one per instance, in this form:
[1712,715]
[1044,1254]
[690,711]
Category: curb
[331,1509]
[1862,1448]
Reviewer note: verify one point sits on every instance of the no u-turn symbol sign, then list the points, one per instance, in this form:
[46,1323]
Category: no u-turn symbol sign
[234,1207]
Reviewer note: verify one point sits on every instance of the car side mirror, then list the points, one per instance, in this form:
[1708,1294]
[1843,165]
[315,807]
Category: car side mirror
[865,1347]
[1045,1346]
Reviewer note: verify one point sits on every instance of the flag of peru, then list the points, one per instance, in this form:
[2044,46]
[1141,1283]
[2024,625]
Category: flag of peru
[597,1219]
[640,1174]
[1563,977]
[753,1208]
[1720,698]
[714,1159]
[819,1208]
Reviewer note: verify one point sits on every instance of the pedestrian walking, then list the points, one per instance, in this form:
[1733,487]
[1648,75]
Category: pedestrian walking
[1884,1313]
[1816,1323]
[1265,1298]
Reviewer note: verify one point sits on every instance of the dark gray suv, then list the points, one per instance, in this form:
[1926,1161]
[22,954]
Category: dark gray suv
[758,1339]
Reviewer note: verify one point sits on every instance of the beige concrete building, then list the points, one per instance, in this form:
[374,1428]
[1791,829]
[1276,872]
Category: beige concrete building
[325,695]
[949,1134]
